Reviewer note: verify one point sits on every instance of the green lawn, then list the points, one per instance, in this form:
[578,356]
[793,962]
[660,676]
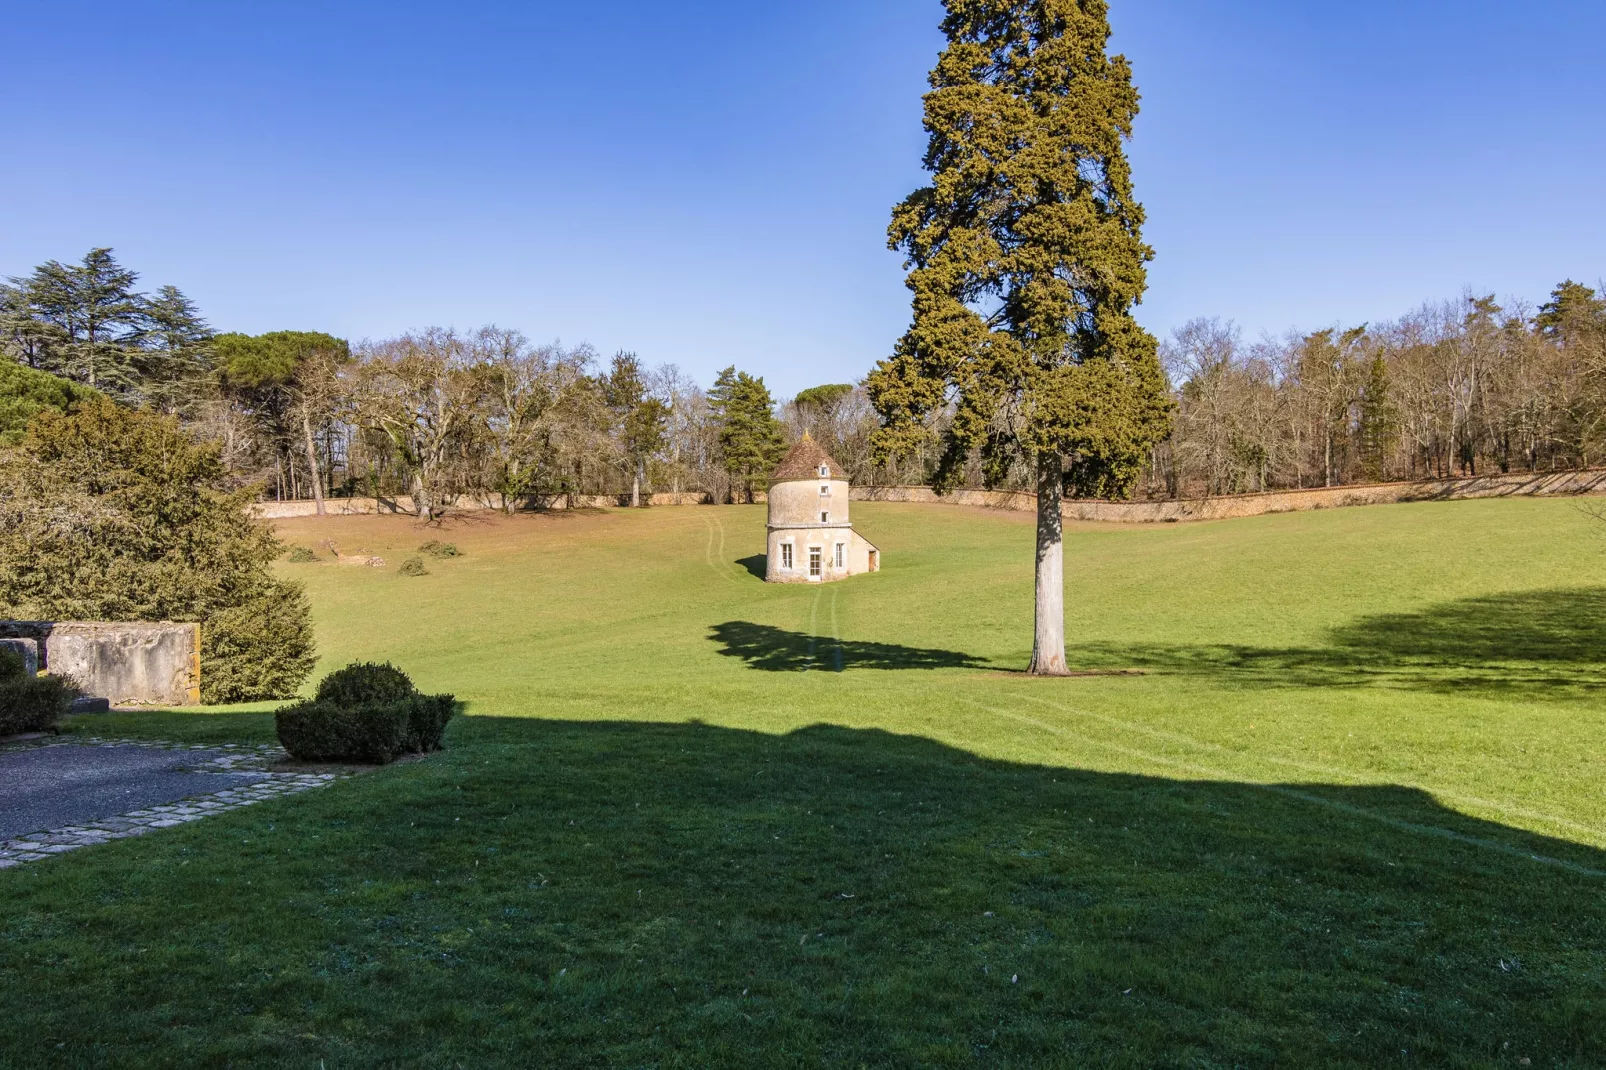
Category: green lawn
[1350,813]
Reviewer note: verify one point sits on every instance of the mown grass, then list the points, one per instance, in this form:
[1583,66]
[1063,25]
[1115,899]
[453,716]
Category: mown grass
[1349,814]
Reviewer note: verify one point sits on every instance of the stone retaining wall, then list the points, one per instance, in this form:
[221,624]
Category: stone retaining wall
[403,505]
[1584,481]
[1567,484]
[128,664]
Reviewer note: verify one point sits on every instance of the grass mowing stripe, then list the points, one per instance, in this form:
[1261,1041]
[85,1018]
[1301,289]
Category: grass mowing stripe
[1292,793]
[1505,810]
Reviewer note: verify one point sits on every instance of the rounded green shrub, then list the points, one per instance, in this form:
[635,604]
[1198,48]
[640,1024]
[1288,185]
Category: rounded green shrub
[413,566]
[436,548]
[365,683]
[364,713]
[32,703]
[301,555]
[326,732]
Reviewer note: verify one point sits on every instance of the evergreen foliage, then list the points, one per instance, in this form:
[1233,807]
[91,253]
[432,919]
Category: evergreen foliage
[642,419]
[109,513]
[30,703]
[364,682]
[749,434]
[364,712]
[1026,256]
[822,399]
[86,322]
[1574,314]
[1026,261]
[413,566]
[25,392]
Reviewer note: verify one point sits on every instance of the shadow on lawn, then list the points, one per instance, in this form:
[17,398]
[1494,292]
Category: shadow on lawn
[772,649]
[670,894]
[1527,644]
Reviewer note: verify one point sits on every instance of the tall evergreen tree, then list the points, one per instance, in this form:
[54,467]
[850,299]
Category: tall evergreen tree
[641,418]
[95,316]
[174,365]
[749,433]
[1574,315]
[1027,259]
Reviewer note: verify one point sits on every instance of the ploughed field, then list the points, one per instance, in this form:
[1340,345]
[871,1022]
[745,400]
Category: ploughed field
[1346,810]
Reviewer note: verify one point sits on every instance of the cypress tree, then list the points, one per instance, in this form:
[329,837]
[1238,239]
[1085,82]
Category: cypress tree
[749,433]
[1026,260]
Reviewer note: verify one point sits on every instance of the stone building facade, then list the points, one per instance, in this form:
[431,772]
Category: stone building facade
[811,536]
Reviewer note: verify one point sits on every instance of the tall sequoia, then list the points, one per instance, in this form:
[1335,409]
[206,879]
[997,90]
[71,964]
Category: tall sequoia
[1026,259]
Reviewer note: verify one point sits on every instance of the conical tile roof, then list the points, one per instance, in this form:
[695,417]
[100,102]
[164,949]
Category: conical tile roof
[803,461]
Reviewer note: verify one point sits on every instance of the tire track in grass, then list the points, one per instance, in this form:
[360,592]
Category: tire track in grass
[1348,776]
[716,529]
[1196,770]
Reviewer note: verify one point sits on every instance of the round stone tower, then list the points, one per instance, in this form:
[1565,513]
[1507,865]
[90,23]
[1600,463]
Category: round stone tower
[811,538]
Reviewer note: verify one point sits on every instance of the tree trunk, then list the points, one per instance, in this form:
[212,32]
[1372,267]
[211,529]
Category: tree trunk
[1048,641]
[635,486]
[312,462]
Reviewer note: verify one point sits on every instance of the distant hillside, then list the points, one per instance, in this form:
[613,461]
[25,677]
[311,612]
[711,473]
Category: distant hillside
[24,391]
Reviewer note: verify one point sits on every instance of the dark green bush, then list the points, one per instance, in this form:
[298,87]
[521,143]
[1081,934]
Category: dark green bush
[325,732]
[427,721]
[259,649]
[364,683]
[436,548]
[31,703]
[365,713]
[413,566]
[301,555]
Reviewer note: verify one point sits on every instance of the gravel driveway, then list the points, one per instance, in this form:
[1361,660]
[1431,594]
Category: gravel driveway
[49,787]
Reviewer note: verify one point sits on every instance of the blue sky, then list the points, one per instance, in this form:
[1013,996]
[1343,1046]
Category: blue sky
[708,183]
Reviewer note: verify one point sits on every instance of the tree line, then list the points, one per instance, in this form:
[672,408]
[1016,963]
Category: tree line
[1456,388]
[436,414]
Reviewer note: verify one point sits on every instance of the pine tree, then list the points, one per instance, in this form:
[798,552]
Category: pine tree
[286,381]
[1027,259]
[749,433]
[1379,421]
[95,317]
[174,365]
[642,419]
[1574,315]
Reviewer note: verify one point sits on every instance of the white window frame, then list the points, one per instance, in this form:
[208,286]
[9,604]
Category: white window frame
[825,516]
[841,555]
[825,490]
[825,471]
[788,556]
[816,563]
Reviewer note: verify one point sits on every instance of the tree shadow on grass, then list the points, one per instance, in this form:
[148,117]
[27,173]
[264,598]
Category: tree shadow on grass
[657,894]
[757,566]
[772,649]
[1521,645]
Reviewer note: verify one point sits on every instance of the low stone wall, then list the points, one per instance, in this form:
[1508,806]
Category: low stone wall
[403,505]
[1584,481]
[1504,485]
[128,664]
[28,648]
